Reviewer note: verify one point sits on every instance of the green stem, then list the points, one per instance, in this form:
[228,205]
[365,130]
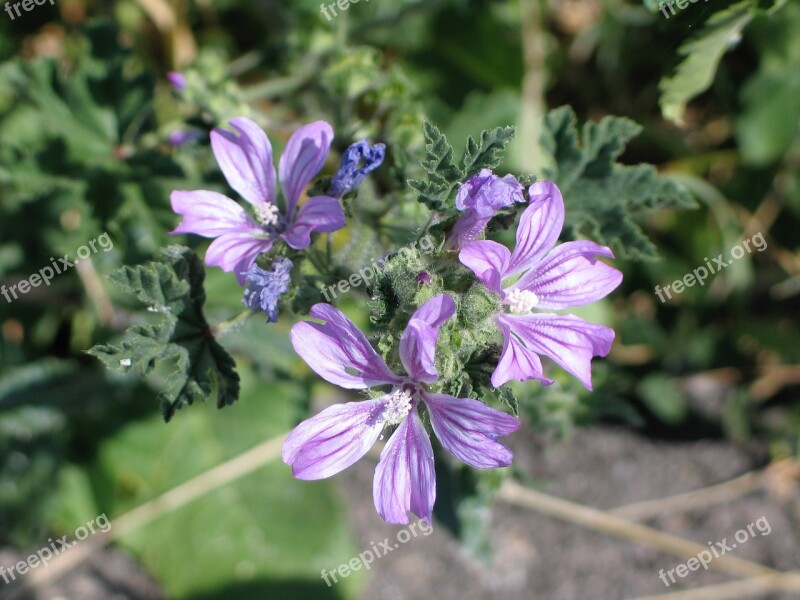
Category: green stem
[526,149]
[231,323]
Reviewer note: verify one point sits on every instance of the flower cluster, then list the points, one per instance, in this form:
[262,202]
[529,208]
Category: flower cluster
[524,288]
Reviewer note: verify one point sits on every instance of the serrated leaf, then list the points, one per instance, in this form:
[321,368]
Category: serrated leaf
[603,197]
[507,397]
[433,195]
[703,53]
[444,175]
[487,153]
[438,160]
[173,286]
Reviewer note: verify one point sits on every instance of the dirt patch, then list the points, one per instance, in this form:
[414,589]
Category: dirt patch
[538,557]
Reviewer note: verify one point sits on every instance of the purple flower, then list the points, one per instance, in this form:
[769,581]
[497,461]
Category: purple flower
[480,198]
[246,162]
[178,80]
[550,278]
[350,175]
[338,436]
[263,289]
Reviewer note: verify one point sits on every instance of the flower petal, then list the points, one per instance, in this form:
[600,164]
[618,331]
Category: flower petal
[320,213]
[469,429]
[539,226]
[405,479]
[236,252]
[334,439]
[246,160]
[302,159]
[467,229]
[209,214]
[436,311]
[568,340]
[334,349]
[517,362]
[488,260]
[418,343]
[571,275]
[486,193]
[480,198]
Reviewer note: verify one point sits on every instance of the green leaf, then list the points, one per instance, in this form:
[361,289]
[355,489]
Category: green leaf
[487,153]
[264,535]
[439,156]
[703,53]
[661,395]
[444,175]
[771,98]
[442,171]
[603,197]
[32,446]
[433,195]
[651,5]
[173,286]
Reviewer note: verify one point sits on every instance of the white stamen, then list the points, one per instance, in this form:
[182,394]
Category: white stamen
[397,408]
[267,213]
[521,301]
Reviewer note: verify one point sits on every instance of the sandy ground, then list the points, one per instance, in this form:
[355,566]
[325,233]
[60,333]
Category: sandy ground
[537,557]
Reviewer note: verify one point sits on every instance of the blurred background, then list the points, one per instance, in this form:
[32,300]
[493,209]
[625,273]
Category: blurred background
[700,394]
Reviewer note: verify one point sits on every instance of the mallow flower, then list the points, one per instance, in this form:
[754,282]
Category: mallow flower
[246,161]
[358,161]
[480,198]
[539,277]
[341,434]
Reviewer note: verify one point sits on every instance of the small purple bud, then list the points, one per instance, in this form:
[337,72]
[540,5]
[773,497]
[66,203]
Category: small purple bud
[178,80]
[423,278]
[180,138]
[350,175]
[263,289]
